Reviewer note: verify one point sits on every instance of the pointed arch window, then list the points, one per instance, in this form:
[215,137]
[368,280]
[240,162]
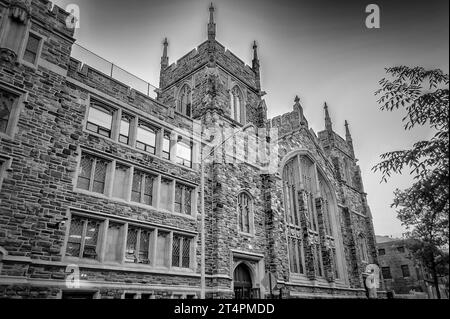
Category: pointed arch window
[309,207]
[236,105]
[185,101]
[245,213]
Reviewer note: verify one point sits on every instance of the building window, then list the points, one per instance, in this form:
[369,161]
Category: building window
[185,101]
[100,120]
[142,188]
[181,248]
[166,194]
[183,199]
[303,183]
[401,249]
[8,102]
[184,154]
[381,251]
[236,105]
[296,255]
[32,48]
[146,138]
[405,271]
[245,213]
[124,136]
[138,245]
[83,238]
[92,174]
[166,146]
[386,271]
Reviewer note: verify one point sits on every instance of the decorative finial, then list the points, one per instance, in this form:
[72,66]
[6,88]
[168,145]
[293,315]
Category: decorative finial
[328,123]
[297,99]
[165,58]
[211,24]
[348,136]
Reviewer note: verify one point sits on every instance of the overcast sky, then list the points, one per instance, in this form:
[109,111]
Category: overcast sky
[320,50]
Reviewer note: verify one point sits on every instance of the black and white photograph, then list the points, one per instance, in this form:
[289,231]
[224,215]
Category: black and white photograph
[240,152]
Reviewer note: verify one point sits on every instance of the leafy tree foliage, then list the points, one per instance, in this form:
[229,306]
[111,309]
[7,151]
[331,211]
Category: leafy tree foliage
[424,207]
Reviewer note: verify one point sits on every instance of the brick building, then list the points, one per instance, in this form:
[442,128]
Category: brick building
[102,183]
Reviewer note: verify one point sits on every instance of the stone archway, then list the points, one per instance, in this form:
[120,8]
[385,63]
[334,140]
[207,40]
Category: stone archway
[242,282]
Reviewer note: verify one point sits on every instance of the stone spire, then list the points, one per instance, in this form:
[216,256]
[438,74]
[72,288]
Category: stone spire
[328,123]
[298,107]
[255,66]
[165,58]
[348,138]
[211,24]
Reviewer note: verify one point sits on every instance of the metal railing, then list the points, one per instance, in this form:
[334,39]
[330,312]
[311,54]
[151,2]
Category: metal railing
[95,61]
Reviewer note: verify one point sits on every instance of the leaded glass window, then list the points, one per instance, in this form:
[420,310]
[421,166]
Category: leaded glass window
[183,199]
[181,251]
[142,188]
[185,101]
[92,173]
[138,245]
[83,237]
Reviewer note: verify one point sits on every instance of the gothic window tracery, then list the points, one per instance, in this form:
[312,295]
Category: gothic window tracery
[236,104]
[184,105]
[308,196]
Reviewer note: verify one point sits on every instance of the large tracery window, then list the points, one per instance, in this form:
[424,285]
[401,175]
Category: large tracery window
[236,105]
[185,101]
[304,185]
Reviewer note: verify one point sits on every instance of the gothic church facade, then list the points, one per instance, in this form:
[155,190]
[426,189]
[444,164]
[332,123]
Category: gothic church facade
[102,186]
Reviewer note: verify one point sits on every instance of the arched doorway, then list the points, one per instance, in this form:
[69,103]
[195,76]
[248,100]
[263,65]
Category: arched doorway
[242,279]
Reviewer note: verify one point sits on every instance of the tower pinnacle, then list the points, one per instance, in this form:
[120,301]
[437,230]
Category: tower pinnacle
[328,123]
[211,24]
[348,138]
[165,58]
[255,66]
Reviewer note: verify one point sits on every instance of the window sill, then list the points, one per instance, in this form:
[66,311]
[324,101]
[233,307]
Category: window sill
[248,235]
[132,204]
[90,263]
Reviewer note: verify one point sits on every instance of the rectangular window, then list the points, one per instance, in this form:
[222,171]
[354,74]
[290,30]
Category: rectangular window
[83,238]
[142,188]
[162,248]
[100,120]
[32,48]
[181,248]
[401,249]
[183,199]
[405,271]
[166,146]
[92,174]
[124,136]
[166,194]
[138,245]
[184,154]
[113,239]
[146,138]
[381,251]
[8,102]
[386,271]
[120,189]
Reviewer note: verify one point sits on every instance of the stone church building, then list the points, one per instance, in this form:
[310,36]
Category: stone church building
[101,187]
